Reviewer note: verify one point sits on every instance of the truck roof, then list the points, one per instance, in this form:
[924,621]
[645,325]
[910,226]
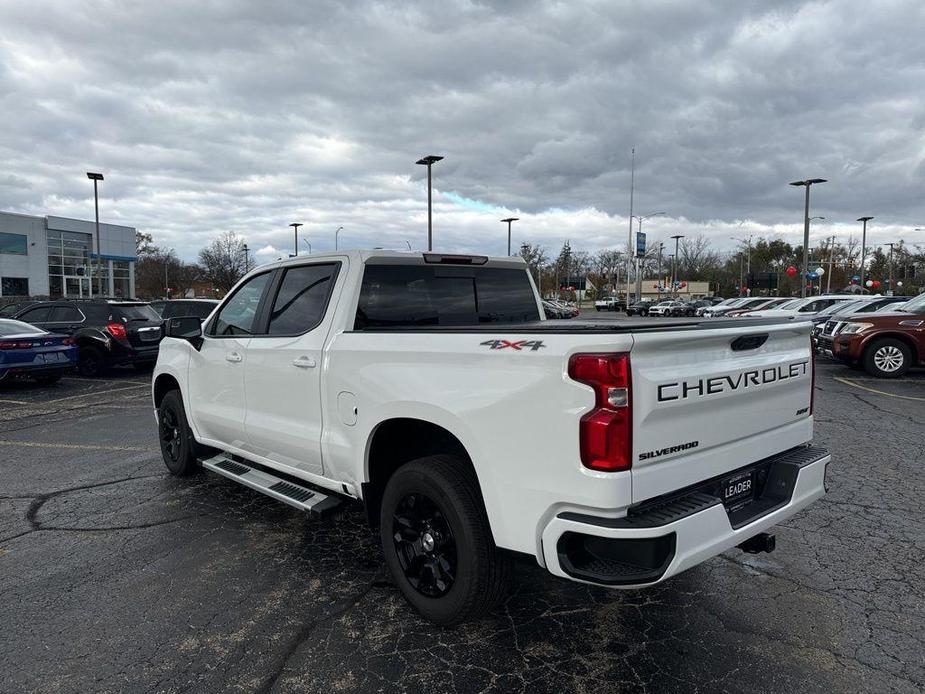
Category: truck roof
[403,257]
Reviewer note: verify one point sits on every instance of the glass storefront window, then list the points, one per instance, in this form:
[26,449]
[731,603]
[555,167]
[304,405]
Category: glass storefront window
[14,286]
[13,244]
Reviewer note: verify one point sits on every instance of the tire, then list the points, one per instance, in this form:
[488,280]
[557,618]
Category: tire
[48,379]
[178,447]
[90,361]
[887,358]
[437,502]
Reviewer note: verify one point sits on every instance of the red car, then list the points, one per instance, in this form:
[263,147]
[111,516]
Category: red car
[885,344]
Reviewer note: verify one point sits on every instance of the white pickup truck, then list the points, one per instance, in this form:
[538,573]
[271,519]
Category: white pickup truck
[430,388]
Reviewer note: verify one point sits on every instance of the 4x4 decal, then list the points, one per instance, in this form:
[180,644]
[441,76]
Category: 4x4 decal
[517,346]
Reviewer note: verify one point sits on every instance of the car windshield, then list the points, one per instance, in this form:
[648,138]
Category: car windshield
[789,304]
[17,327]
[895,306]
[916,305]
[840,307]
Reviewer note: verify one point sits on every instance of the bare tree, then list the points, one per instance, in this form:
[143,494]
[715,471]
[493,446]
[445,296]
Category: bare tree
[536,259]
[223,261]
[697,259]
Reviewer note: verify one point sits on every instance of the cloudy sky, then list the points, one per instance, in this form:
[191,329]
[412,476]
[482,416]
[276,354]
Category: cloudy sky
[241,115]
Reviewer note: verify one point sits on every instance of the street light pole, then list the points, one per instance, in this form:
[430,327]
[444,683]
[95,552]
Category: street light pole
[807,183]
[629,239]
[748,260]
[674,265]
[295,233]
[640,219]
[335,237]
[96,177]
[305,240]
[246,263]
[429,161]
[864,221]
[509,220]
[166,280]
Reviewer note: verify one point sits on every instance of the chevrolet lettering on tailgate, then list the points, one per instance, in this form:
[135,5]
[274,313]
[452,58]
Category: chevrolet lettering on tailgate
[681,390]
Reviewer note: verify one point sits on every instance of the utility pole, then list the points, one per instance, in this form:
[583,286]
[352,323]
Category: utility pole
[891,244]
[807,184]
[864,220]
[674,265]
[295,232]
[629,238]
[429,161]
[509,220]
[96,177]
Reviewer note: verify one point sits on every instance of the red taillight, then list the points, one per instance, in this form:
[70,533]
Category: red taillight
[14,345]
[69,341]
[605,433]
[812,365]
[117,330]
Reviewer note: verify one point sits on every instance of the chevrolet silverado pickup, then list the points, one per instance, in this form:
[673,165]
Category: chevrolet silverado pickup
[429,388]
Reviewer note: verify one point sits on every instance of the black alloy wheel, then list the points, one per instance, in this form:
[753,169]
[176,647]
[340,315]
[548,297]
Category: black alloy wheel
[178,447]
[90,361]
[425,545]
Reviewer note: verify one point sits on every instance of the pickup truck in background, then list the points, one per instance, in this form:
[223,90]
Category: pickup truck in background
[429,388]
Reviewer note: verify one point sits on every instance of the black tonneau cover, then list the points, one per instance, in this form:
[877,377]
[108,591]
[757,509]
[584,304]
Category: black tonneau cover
[647,325]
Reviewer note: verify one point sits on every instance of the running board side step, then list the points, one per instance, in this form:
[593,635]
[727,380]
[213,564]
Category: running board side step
[295,495]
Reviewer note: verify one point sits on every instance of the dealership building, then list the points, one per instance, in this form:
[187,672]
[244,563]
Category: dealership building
[57,257]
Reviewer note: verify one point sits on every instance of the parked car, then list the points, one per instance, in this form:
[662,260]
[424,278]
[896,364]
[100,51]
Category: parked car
[766,305]
[175,308]
[610,303]
[715,302]
[830,321]
[688,308]
[664,308]
[471,430]
[723,307]
[26,350]
[885,344]
[107,332]
[804,308]
[556,311]
[11,309]
[640,308]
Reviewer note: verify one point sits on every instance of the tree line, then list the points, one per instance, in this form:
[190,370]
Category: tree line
[697,260]
[220,265]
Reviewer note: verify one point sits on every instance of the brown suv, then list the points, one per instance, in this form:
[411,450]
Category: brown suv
[885,344]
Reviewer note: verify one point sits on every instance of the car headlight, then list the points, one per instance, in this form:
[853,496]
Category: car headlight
[853,328]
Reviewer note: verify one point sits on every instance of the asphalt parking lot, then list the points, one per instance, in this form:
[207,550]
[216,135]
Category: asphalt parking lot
[115,577]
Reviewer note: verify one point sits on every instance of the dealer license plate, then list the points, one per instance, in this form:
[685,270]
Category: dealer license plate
[739,489]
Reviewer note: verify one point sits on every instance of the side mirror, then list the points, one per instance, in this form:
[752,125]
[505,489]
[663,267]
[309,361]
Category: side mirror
[185,328]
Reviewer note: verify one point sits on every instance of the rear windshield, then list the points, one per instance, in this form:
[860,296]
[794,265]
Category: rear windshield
[410,295]
[16,327]
[132,312]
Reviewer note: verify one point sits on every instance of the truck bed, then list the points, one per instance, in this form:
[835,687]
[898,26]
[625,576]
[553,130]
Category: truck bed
[581,326]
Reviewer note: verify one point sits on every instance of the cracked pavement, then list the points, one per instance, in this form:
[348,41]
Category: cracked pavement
[115,577]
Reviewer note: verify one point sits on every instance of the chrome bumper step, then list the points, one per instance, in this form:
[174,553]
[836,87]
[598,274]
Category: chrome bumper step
[296,495]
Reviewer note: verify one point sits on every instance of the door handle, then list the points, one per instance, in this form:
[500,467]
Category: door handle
[304,363]
[233,357]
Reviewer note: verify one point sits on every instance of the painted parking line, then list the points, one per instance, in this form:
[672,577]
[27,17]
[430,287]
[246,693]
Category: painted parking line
[875,390]
[96,392]
[15,402]
[76,446]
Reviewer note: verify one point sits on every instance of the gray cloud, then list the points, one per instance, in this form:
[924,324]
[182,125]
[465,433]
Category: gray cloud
[245,116]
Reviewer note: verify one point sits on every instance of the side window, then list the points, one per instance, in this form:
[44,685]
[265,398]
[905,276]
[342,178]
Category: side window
[168,311]
[302,299]
[66,314]
[239,314]
[36,315]
[812,307]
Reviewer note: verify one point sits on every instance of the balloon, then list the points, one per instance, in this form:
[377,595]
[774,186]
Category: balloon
[820,271]
[809,286]
[875,285]
[856,278]
[683,284]
[869,284]
[791,271]
[655,286]
[899,284]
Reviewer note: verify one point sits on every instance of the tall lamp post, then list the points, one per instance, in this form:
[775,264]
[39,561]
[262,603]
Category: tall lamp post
[640,219]
[246,262]
[96,177]
[509,220]
[748,263]
[864,221]
[305,240]
[166,279]
[335,236]
[429,161]
[807,184]
[295,232]
[674,264]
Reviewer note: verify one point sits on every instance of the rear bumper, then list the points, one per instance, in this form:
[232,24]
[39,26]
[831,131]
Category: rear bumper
[662,538]
[128,354]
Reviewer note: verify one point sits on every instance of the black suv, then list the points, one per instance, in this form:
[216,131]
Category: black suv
[108,332]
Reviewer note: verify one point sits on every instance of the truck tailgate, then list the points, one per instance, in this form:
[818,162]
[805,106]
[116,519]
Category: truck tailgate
[707,402]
